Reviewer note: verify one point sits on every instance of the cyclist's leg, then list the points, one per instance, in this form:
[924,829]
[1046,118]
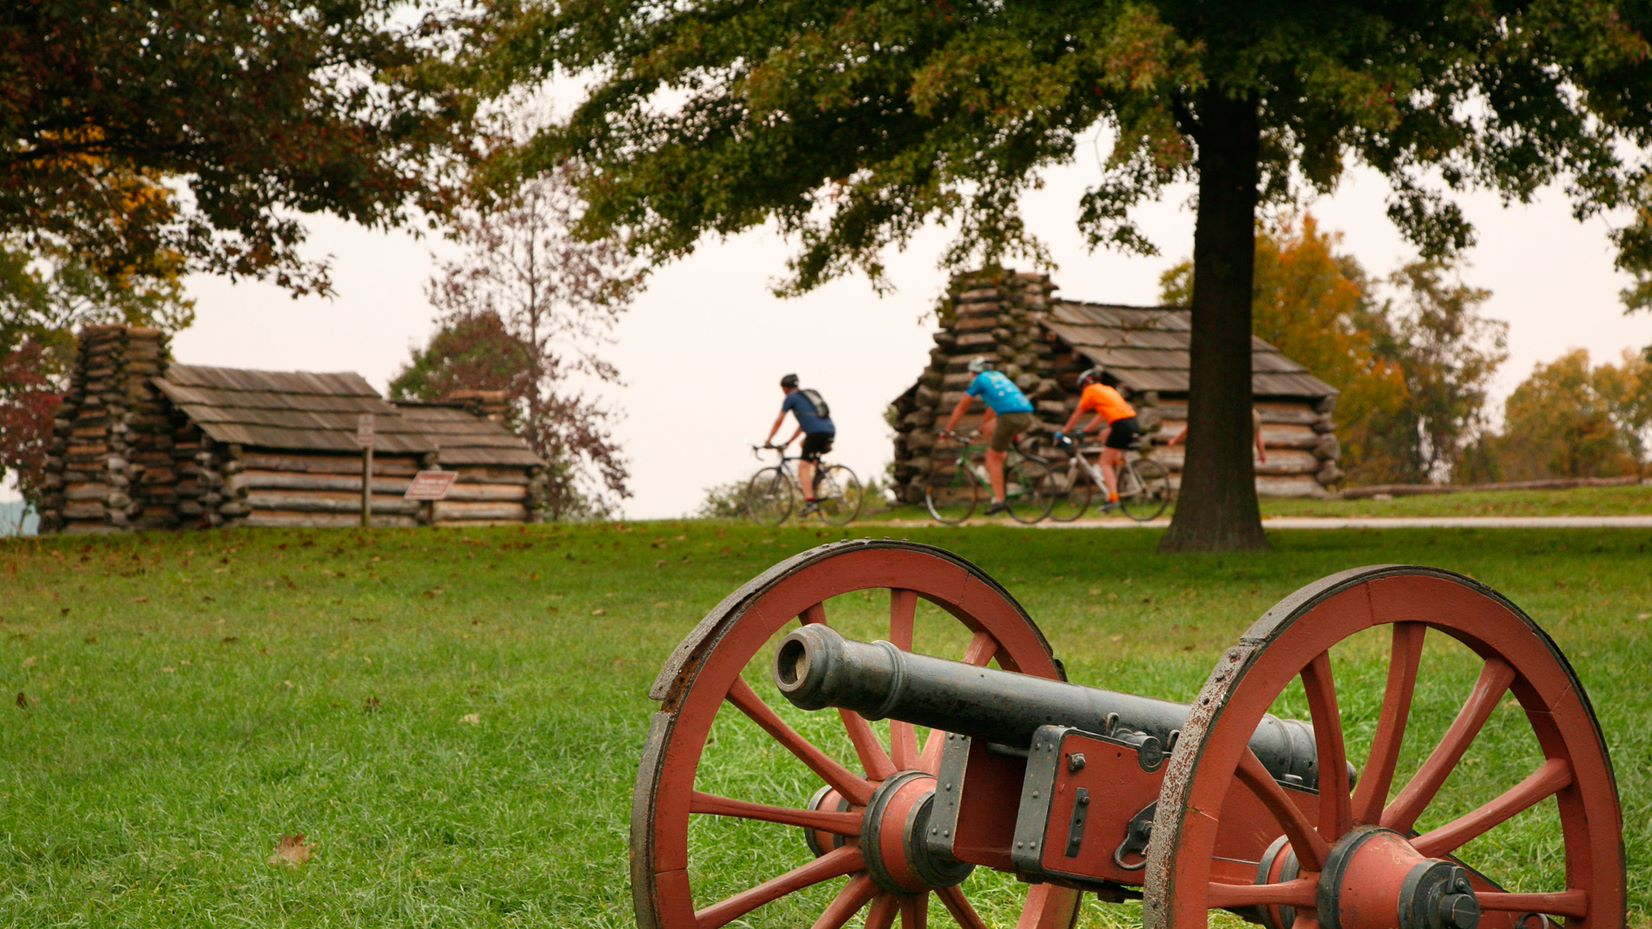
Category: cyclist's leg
[1111,458]
[814,446]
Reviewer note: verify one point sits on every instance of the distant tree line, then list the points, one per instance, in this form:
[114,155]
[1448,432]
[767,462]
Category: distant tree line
[1413,359]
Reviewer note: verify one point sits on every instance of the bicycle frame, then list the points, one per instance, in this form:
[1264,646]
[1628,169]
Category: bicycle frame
[1129,482]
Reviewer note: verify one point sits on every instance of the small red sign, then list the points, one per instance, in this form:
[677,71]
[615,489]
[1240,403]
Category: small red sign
[430,485]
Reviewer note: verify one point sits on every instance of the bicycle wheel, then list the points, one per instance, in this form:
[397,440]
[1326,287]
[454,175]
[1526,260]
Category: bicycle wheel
[1150,495]
[950,494]
[1069,494]
[769,496]
[839,493]
[1028,486]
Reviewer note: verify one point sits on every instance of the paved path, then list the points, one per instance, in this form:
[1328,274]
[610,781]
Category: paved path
[1352,522]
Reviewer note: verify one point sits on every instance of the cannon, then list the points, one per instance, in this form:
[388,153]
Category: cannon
[876,731]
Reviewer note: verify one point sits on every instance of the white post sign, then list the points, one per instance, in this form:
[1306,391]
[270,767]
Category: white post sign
[430,485]
[364,430]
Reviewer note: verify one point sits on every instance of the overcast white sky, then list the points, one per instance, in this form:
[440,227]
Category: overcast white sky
[703,349]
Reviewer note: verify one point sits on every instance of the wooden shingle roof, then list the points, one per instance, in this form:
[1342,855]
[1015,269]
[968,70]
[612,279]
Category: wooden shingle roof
[288,409]
[462,438]
[1147,348]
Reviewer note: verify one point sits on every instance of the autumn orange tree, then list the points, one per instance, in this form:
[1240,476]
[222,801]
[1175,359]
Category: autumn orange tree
[1313,304]
[1409,355]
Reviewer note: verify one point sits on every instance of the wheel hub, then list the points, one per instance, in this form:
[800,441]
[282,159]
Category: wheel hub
[892,837]
[1375,878]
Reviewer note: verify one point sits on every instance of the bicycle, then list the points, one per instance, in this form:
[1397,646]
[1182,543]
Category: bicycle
[1144,484]
[952,492]
[771,492]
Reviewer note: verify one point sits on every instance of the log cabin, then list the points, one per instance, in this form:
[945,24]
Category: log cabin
[144,443]
[1043,343]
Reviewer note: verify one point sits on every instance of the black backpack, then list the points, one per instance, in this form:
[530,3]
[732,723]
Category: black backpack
[817,401]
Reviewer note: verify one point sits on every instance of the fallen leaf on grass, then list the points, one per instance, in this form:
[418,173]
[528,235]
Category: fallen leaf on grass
[599,611]
[371,704]
[22,701]
[31,661]
[140,599]
[169,670]
[471,719]
[291,852]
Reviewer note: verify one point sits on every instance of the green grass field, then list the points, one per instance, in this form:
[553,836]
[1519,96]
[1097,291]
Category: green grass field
[453,719]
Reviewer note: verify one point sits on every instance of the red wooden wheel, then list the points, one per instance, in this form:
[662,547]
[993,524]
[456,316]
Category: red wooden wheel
[851,785]
[1352,857]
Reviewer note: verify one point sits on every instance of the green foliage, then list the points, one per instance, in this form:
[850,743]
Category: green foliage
[1569,419]
[850,125]
[471,352]
[722,501]
[203,129]
[1432,329]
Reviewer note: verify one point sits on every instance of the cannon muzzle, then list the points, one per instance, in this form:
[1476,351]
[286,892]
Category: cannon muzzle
[817,667]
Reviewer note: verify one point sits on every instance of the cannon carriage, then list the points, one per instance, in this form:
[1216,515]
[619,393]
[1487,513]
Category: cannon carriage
[756,804]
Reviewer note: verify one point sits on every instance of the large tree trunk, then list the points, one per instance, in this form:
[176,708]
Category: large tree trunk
[1217,509]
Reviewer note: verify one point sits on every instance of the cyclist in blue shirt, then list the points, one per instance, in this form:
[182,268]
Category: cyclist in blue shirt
[1009,412]
[814,424]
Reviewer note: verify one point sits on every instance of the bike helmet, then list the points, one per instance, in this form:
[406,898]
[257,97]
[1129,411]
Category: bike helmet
[979,364]
[1090,376]
[789,380]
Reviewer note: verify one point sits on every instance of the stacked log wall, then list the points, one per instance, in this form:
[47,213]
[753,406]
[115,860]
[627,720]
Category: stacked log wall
[271,487]
[110,468]
[994,316]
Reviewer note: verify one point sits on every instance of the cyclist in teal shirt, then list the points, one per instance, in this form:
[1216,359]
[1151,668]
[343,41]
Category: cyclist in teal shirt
[1009,413]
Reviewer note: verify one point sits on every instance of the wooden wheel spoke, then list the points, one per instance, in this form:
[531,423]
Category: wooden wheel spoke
[934,743]
[915,912]
[1549,779]
[903,739]
[868,748]
[813,614]
[1378,777]
[835,863]
[847,903]
[844,781]
[882,913]
[1494,681]
[1573,903]
[823,820]
[1300,892]
[903,613]
[958,905]
[1335,811]
[982,648]
[1311,849]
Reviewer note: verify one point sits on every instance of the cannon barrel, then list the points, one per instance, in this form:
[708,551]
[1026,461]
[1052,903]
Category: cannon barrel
[817,667]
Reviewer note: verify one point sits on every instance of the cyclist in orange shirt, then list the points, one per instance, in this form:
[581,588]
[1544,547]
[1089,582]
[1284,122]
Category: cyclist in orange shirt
[1119,432]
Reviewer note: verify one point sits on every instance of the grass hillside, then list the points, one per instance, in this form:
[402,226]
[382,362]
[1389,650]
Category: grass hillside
[452,719]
